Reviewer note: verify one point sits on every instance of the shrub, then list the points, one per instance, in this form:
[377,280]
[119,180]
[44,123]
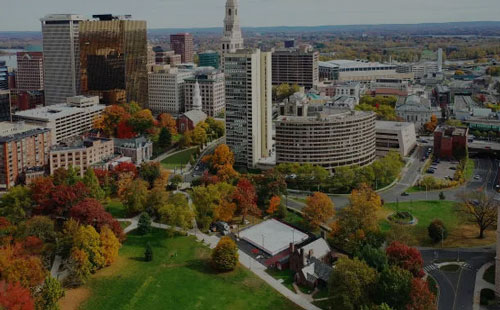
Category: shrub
[437,231]
[225,255]
[441,196]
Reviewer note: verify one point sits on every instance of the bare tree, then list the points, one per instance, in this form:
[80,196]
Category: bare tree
[480,209]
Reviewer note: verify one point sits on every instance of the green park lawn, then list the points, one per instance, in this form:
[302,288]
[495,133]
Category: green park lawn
[179,277]
[459,233]
[178,159]
[116,208]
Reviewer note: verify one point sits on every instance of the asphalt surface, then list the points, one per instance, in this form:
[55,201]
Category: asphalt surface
[456,289]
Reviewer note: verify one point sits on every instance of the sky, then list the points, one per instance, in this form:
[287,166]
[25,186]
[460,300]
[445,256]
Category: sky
[23,15]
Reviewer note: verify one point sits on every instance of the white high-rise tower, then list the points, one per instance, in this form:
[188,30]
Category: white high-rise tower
[440,60]
[197,97]
[232,39]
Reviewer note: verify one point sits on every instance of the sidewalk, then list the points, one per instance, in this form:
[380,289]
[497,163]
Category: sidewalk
[481,284]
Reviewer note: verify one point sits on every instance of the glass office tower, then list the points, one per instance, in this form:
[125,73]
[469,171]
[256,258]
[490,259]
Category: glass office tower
[113,59]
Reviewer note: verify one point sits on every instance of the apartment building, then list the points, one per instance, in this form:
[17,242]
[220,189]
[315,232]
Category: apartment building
[395,136]
[81,155]
[182,44]
[248,105]
[212,91]
[324,136]
[22,146]
[166,89]
[295,66]
[65,120]
[29,74]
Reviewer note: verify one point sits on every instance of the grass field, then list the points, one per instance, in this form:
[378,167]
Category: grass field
[117,209]
[178,159]
[179,277]
[469,169]
[489,275]
[459,234]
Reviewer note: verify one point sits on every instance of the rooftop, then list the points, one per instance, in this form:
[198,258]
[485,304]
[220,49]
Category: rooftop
[272,236]
[12,131]
[345,64]
[386,125]
[55,111]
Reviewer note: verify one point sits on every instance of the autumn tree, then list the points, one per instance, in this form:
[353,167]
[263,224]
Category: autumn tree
[268,184]
[421,298]
[221,162]
[88,240]
[124,130]
[49,295]
[224,256]
[135,196]
[142,121]
[168,122]
[177,212]
[246,199]
[479,209]
[213,202]
[16,205]
[176,180]
[351,283]
[374,257]
[405,257]
[109,245]
[150,171]
[79,267]
[41,227]
[15,297]
[274,203]
[91,212]
[437,231]
[16,266]
[199,136]
[110,118]
[431,125]
[319,208]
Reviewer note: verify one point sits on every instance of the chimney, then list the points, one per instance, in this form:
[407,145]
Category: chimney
[292,248]
[311,252]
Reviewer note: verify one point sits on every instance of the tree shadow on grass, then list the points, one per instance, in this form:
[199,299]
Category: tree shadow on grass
[201,265]
[138,259]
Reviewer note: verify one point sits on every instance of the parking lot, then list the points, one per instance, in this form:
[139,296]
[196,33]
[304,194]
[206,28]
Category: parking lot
[442,170]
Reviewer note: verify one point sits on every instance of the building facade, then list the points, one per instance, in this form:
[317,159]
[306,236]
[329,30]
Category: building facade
[450,142]
[248,105]
[61,56]
[5,105]
[395,136]
[295,66]
[182,44]
[323,136]
[209,59]
[22,147]
[361,71]
[4,76]
[81,155]
[232,39]
[415,109]
[166,89]
[212,90]
[139,149]
[113,58]
[67,120]
[29,75]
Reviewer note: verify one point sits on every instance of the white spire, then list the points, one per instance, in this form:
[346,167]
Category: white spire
[197,97]
[232,39]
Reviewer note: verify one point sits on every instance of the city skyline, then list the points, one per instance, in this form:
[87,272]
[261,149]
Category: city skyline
[255,13]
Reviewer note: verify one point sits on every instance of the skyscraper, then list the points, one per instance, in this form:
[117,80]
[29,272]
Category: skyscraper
[182,44]
[113,59]
[232,39]
[296,66]
[4,76]
[248,105]
[29,74]
[61,56]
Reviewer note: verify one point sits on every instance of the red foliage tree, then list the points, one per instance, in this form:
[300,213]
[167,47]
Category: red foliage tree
[102,176]
[421,298]
[40,191]
[208,179]
[246,198]
[16,266]
[15,297]
[405,257]
[63,197]
[125,167]
[32,245]
[91,212]
[124,130]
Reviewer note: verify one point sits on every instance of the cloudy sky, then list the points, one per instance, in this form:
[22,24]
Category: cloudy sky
[25,14]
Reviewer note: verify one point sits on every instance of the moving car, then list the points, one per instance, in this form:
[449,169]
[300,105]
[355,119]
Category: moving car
[404,194]
[221,227]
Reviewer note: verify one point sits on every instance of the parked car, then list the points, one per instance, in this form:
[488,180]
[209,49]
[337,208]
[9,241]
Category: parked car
[431,171]
[221,227]
[477,177]
[453,168]
[404,194]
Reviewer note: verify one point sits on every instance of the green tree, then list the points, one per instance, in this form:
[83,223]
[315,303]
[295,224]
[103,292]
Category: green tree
[41,227]
[225,255]
[437,231]
[144,224]
[157,199]
[375,258]
[16,205]
[351,284]
[148,253]
[92,183]
[176,180]
[88,240]
[49,295]
[441,196]
[393,287]
[165,138]
[150,171]
[177,212]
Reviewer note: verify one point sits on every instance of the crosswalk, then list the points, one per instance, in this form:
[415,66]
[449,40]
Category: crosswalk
[432,267]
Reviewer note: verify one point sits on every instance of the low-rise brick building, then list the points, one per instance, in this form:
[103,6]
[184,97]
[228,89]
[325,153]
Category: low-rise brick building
[450,142]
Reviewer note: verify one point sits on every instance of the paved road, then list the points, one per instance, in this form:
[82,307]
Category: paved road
[457,288]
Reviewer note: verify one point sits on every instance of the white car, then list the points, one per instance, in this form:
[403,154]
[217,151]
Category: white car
[477,177]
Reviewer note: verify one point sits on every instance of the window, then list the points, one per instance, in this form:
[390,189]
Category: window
[229,12]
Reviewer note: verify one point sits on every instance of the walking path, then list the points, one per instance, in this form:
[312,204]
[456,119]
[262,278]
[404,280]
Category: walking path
[249,262]
[481,284]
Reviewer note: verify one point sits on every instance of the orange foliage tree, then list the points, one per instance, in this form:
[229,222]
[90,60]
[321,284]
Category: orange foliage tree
[166,120]
[246,199]
[15,297]
[274,203]
[319,208]
[16,266]
[431,125]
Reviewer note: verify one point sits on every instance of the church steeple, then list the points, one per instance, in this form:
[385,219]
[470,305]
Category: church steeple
[232,39]
[197,105]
